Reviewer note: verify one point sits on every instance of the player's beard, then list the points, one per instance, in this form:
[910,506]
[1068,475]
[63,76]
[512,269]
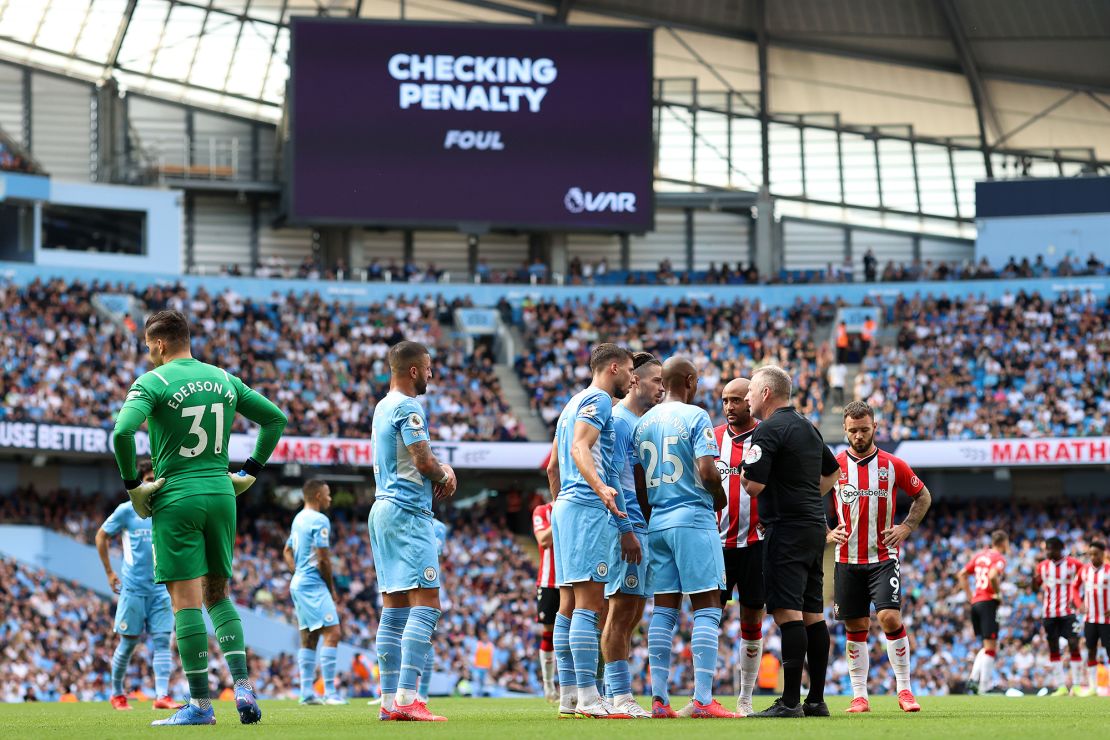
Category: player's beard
[864,446]
[420,386]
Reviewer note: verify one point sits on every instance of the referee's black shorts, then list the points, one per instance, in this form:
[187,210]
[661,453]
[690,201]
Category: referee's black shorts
[744,574]
[793,567]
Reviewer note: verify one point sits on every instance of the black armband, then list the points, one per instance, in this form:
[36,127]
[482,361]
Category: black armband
[131,485]
[252,467]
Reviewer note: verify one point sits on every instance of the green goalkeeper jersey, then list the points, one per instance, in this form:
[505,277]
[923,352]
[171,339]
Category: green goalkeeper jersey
[190,408]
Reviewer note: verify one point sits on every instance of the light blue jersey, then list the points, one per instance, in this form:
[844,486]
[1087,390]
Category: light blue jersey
[624,423]
[399,421]
[137,574]
[440,530]
[594,407]
[668,440]
[310,531]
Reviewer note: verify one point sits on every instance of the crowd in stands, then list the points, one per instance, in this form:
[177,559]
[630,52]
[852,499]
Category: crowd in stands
[323,362]
[723,340]
[1024,365]
[600,272]
[57,639]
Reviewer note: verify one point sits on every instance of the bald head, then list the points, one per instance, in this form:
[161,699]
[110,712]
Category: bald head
[680,378]
[734,404]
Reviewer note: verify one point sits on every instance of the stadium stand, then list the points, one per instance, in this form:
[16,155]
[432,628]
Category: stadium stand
[323,362]
[1022,366]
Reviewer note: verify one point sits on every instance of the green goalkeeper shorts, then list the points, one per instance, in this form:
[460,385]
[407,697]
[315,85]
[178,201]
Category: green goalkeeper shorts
[193,537]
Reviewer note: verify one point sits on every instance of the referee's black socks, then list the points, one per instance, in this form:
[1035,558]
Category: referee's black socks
[794,644]
[817,653]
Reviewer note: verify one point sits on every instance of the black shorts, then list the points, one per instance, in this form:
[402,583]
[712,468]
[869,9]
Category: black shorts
[547,605]
[1094,633]
[744,572]
[1057,627]
[793,567]
[984,619]
[857,587]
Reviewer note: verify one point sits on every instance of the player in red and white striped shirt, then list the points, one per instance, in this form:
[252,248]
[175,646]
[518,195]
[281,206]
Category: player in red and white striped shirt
[1057,580]
[985,595]
[1095,582]
[547,597]
[741,536]
[867,569]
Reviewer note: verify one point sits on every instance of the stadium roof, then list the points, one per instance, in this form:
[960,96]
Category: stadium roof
[231,54]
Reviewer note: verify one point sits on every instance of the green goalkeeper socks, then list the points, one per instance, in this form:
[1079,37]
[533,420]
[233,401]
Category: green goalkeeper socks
[192,645]
[229,633]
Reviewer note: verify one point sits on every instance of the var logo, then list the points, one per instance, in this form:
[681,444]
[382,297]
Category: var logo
[577,201]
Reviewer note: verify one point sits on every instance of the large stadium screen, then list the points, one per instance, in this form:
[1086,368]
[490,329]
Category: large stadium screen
[456,124]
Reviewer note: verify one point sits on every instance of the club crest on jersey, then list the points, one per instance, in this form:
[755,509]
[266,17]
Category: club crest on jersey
[123,626]
[631,581]
[602,569]
[329,617]
[429,573]
[884,474]
[752,456]
[415,421]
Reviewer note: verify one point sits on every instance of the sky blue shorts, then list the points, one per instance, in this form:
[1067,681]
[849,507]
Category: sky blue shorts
[624,577]
[685,560]
[314,605]
[583,540]
[405,549]
[137,613]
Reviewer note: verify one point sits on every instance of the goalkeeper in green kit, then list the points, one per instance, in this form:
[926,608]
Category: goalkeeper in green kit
[190,408]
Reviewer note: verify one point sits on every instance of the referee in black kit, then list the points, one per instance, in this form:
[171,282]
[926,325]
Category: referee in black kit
[789,468]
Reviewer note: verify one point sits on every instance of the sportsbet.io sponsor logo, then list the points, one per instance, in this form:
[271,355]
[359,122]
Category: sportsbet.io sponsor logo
[849,493]
[579,201]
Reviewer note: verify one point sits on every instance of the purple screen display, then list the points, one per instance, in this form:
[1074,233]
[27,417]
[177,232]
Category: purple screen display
[441,125]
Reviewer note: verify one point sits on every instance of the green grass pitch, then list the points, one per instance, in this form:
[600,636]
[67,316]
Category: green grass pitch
[508,719]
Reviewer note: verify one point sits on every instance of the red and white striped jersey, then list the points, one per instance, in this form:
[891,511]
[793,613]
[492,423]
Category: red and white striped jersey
[865,502]
[1059,582]
[541,520]
[738,522]
[1096,592]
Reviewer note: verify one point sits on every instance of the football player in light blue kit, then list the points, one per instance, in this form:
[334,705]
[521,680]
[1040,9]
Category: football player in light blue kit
[307,554]
[627,585]
[675,445]
[582,536]
[402,537]
[144,606]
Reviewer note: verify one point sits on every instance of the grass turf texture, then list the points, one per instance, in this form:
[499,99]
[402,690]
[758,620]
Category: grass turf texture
[494,719]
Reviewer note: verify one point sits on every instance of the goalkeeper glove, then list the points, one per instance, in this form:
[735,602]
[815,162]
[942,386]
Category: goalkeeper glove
[141,493]
[246,476]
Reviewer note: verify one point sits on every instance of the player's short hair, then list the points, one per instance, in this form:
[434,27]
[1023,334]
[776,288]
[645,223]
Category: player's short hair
[644,359]
[405,354]
[858,410]
[1054,541]
[998,537]
[606,353]
[170,326]
[1096,545]
[143,468]
[312,487]
[775,378]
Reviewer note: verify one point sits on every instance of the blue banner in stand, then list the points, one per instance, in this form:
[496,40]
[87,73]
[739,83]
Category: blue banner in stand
[476,321]
[260,289]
